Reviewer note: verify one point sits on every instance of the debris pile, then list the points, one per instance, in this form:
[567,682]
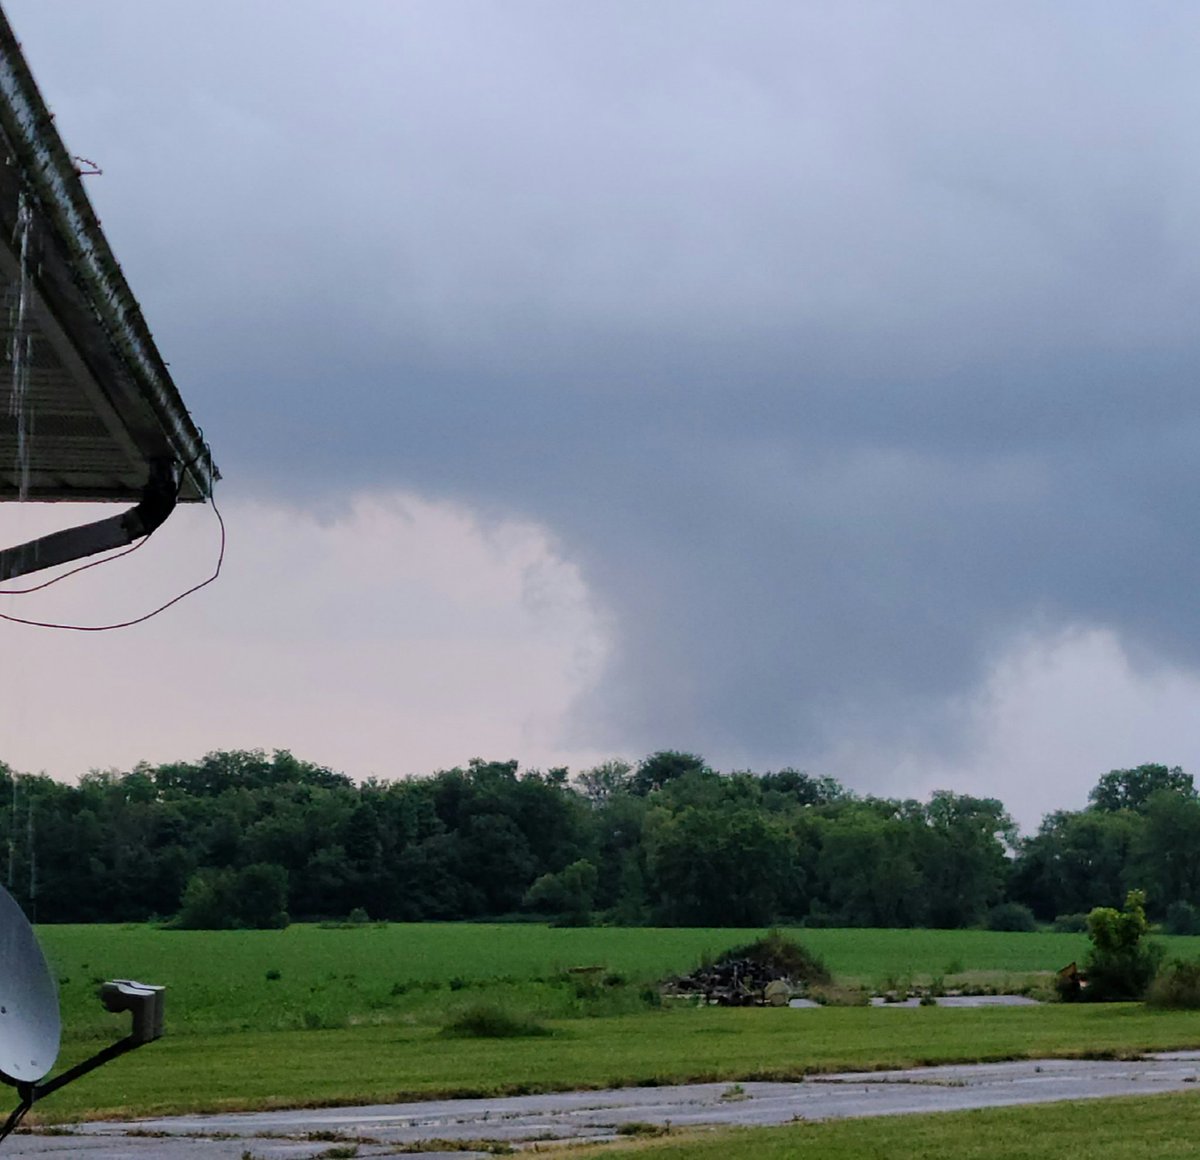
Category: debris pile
[765,973]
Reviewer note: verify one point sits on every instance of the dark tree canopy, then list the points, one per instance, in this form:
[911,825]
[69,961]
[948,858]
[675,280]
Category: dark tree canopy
[1132,789]
[247,839]
[660,769]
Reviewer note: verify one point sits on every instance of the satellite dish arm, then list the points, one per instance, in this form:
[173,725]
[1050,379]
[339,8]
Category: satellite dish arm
[32,1092]
[157,503]
[39,1091]
[18,1113]
[143,1001]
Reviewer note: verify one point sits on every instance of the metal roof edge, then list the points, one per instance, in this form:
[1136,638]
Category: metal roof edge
[54,180]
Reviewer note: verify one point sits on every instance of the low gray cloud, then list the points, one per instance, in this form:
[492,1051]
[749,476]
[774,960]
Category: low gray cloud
[838,344]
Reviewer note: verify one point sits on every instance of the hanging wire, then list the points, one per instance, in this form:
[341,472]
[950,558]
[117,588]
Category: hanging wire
[76,571]
[124,551]
[136,620]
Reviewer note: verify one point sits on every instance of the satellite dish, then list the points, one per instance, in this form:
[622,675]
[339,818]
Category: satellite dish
[30,1026]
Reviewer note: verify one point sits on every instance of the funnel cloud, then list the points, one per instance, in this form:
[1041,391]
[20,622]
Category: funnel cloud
[843,349]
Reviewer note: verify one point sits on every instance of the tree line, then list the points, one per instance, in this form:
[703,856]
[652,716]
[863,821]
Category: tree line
[245,838]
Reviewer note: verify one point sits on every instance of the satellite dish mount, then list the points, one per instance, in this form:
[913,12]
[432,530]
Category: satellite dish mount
[30,1026]
[157,503]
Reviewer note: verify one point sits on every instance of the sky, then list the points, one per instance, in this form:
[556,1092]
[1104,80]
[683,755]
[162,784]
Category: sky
[796,384]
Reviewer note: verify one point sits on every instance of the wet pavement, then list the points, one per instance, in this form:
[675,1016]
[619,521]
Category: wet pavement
[942,1001]
[961,1001]
[383,1130]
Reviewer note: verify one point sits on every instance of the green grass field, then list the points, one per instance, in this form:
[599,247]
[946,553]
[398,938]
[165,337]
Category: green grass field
[381,1064]
[1162,1127]
[330,978]
[326,1016]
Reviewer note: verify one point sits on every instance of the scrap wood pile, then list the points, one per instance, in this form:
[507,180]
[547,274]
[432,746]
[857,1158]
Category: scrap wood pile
[767,972]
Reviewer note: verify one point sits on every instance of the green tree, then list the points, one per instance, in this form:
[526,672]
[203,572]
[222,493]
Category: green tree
[602,782]
[868,867]
[799,788]
[262,891]
[1167,853]
[963,859]
[254,897]
[209,901]
[1132,789]
[719,867]
[1076,860]
[569,895]
[663,767]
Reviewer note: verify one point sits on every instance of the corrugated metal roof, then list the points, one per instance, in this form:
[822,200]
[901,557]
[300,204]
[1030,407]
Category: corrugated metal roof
[87,406]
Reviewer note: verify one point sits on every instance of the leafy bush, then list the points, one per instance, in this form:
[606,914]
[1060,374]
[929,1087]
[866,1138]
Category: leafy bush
[488,1022]
[1011,916]
[570,894]
[1176,986]
[254,897]
[1120,966]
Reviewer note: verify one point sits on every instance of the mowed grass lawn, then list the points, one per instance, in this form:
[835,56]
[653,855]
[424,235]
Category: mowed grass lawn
[386,1063]
[328,1016]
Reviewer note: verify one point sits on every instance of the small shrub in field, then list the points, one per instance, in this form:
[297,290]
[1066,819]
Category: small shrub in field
[486,1022]
[1011,916]
[1120,966]
[1182,918]
[1176,986]
[323,1021]
[1071,924]
[586,988]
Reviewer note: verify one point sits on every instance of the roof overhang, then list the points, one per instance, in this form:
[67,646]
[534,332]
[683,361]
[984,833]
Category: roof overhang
[88,410]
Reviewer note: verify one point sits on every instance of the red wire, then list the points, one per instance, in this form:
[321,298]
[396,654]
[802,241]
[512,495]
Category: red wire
[136,620]
[105,560]
[75,571]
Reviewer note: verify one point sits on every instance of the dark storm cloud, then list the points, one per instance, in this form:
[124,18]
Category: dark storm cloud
[836,342]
